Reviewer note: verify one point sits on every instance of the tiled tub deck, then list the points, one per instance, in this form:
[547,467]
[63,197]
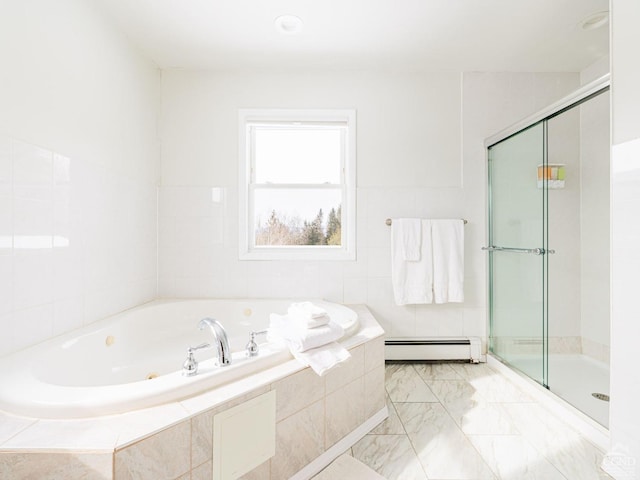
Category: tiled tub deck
[317,418]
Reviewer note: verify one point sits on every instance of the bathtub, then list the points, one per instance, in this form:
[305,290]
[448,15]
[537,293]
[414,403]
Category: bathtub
[133,360]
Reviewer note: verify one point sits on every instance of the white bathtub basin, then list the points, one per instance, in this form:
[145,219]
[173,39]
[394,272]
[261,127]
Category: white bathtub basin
[134,359]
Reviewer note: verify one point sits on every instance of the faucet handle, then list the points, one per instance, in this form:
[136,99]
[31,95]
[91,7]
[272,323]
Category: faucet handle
[199,347]
[252,346]
[190,365]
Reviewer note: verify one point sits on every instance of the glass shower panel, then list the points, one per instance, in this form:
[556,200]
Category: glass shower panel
[516,252]
[578,272]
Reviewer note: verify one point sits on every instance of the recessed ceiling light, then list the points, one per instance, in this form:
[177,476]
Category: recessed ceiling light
[595,20]
[288,24]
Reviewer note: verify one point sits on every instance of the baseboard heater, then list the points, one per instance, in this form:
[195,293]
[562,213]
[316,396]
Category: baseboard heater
[463,348]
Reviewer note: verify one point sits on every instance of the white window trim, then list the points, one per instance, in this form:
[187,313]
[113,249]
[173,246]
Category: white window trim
[345,252]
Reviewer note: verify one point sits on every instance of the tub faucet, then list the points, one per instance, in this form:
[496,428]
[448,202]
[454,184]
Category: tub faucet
[220,340]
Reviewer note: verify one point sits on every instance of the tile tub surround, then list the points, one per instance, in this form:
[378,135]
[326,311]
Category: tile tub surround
[175,440]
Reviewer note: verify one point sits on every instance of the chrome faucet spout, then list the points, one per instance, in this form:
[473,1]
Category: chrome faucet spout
[221,341]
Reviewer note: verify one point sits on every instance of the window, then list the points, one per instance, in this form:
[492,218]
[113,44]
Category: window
[297,184]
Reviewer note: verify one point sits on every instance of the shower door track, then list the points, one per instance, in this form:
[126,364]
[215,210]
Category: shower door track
[581,95]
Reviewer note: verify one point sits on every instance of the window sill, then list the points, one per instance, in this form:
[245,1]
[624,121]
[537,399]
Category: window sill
[302,253]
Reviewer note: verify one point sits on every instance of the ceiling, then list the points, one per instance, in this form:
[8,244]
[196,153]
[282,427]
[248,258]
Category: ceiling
[460,35]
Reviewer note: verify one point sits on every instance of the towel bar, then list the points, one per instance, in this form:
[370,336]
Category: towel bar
[388,221]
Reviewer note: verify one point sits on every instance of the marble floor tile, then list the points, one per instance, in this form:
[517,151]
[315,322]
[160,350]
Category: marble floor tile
[511,457]
[443,449]
[470,411]
[541,428]
[454,391]
[570,453]
[497,388]
[345,467]
[482,419]
[392,456]
[470,371]
[403,384]
[480,426]
[578,459]
[436,371]
[392,424]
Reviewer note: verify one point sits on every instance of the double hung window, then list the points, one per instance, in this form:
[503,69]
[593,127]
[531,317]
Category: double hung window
[297,184]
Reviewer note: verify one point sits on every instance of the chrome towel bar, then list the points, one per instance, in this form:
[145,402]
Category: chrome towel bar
[535,251]
[388,221]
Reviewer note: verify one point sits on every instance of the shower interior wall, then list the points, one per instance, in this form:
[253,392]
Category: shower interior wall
[578,230]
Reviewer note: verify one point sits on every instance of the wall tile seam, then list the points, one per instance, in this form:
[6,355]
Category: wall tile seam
[324,425]
[190,436]
[32,424]
[367,347]
[311,402]
[55,451]
[163,430]
[331,392]
[327,443]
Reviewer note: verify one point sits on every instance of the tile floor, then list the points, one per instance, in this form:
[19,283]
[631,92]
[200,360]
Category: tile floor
[459,421]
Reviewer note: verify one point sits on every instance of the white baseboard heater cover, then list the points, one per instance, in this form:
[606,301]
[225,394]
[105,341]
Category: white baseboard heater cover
[463,348]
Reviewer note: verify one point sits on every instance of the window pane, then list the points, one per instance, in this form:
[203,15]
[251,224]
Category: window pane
[297,155]
[298,216]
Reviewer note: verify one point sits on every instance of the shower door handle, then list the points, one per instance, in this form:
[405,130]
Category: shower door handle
[534,251]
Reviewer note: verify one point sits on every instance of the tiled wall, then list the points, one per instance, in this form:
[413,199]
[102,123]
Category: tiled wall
[420,153]
[78,170]
[77,243]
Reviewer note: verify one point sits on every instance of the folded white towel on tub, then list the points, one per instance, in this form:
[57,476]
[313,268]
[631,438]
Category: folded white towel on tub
[307,309]
[323,359]
[308,314]
[300,338]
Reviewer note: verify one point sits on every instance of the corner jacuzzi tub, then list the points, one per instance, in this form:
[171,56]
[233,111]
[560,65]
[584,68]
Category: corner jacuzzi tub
[134,360]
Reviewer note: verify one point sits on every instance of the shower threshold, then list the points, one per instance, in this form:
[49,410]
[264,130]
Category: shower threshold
[572,380]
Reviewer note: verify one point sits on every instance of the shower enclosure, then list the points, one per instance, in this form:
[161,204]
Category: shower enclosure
[548,246]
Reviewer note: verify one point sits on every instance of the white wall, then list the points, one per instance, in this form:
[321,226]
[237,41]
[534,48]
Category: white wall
[78,170]
[595,211]
[625,228]
[596,70]
[420,153]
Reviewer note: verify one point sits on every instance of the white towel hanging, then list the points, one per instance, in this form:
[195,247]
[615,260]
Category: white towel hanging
[447,239]
[437,273]
[412,279]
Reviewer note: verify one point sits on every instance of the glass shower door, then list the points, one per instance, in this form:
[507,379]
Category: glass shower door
[517,240]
